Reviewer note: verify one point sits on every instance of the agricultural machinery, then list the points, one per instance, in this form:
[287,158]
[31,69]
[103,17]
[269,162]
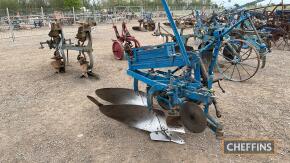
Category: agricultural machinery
[246,39]
[179,90]
[187,21]
[247,31]
[161,31]
[60,45]
[243,41]
[277,22]
[146,23]
[124,42]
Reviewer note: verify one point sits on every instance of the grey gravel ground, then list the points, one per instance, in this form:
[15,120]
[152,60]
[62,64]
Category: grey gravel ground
[46,117]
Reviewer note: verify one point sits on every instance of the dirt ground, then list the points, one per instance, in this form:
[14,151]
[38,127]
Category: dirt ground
[46,117]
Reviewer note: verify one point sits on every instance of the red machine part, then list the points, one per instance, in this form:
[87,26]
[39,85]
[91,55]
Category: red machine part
[128,45]
[136,42]
[118,50]
[124,43]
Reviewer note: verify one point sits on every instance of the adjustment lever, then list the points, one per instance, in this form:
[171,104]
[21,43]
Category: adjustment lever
[219,84]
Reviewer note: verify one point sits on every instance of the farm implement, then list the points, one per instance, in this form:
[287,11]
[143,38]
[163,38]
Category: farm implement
[241,52]
[245,39]
[146,23]
[179,89]
[277,22]
[124,43]
[60,45]
[187,21]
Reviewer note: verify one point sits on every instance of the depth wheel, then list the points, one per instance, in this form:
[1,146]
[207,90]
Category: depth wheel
[118,50]
[193,117]
[238,60]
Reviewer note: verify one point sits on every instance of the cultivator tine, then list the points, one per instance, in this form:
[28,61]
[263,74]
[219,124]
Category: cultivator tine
[122,96]
[83,46]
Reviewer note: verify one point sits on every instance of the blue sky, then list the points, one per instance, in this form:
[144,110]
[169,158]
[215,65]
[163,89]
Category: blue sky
[241,2]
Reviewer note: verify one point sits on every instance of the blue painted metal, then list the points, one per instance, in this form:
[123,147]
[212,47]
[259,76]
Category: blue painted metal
[250,33]
[147,16]
[254,39]
[202,31]
[176,33]
[156,57]
[154,66]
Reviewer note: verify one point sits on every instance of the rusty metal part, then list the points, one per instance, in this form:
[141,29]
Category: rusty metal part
[145,25]
[83,30]
[187,21]
[83,46]
[276,20]
[55,30]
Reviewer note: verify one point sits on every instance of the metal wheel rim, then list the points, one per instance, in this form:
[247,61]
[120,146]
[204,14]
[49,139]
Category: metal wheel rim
[240,66]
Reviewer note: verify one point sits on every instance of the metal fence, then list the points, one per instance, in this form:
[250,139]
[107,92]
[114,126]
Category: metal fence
[22,23]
